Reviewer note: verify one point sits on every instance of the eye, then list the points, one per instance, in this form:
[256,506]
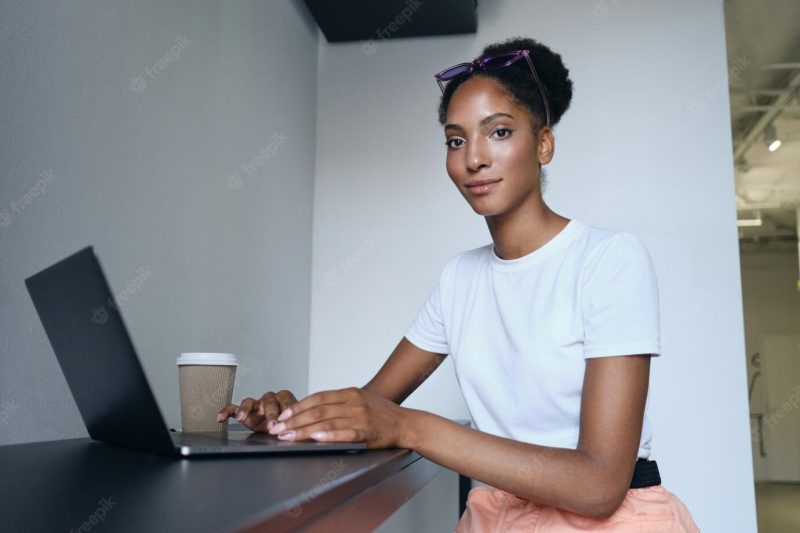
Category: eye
[447,143]
[506,130]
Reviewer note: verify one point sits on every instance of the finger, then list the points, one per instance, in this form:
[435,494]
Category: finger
[269,407]
[264,402]
[227,412]
[255,422]
[286,398]
[305,432]
[313,415]
[318,398]
[251,421]
[244,409]
[248,415]
[339,435]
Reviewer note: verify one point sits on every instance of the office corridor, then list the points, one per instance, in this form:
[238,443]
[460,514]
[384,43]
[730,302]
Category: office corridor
[778,507]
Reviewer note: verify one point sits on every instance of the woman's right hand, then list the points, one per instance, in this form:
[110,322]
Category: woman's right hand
[258,415]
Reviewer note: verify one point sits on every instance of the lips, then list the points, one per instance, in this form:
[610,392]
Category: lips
[482,186]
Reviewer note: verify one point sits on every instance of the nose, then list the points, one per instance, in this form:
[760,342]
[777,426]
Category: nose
[477,154]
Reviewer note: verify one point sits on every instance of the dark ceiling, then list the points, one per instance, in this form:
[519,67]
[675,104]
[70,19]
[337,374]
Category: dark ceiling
[360,20]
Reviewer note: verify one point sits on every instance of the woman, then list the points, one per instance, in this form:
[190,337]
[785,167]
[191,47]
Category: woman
[536,322]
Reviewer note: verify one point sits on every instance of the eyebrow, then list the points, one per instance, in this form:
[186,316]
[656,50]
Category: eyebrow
[482,123]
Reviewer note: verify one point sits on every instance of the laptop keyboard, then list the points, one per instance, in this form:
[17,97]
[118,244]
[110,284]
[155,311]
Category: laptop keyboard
[199,439]
[223,439]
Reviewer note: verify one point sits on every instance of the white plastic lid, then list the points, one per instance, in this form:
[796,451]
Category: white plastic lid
[207,358]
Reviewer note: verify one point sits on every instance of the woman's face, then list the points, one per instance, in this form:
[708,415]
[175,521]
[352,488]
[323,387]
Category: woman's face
[493,155]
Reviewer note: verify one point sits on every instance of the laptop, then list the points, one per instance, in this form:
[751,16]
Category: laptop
[96,354]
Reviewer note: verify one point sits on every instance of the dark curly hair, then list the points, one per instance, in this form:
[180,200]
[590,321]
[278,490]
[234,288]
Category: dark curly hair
[517,80]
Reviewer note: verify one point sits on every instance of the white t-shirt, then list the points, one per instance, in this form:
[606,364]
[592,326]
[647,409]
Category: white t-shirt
[519,330]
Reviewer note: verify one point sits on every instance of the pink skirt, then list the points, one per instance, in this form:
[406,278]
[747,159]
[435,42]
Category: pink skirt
[652,509]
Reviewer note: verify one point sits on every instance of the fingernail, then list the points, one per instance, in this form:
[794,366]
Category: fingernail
[284,415]
[241,416]
[319,435]
[220,418]
[286,435]
[278,428]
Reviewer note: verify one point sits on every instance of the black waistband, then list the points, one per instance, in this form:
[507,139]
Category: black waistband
[645,474]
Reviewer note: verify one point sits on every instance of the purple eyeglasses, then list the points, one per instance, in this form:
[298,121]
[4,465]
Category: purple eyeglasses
[496,61]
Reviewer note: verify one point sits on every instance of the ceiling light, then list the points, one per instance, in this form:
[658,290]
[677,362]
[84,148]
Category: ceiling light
[748,222]
[771,138]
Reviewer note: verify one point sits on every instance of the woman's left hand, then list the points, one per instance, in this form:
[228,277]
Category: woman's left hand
[344,415]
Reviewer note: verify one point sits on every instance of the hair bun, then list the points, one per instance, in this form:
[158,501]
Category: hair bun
[551,70]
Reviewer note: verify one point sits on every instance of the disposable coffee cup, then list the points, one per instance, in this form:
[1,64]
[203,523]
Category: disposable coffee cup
[206,385]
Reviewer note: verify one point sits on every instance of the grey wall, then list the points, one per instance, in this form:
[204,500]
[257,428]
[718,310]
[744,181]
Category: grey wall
[147,173]
[645,148]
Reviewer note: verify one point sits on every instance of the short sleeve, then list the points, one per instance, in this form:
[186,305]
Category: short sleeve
[620,299]
[428,330]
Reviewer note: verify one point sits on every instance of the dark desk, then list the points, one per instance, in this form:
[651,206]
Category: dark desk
[81,485]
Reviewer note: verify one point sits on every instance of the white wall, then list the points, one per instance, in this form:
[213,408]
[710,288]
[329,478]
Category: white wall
[771,306]
[143,175]
[645,148]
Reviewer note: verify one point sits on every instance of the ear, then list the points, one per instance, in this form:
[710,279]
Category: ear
[547,145]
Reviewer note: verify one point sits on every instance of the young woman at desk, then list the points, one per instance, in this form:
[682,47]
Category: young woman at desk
[551,328]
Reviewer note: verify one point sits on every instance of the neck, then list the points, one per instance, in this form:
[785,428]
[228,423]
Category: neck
[524,229]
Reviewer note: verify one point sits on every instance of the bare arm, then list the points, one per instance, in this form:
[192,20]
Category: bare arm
[591,480]
[405,370]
